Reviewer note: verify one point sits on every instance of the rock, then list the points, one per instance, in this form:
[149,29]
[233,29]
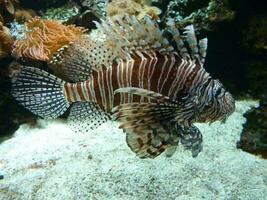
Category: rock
[255,42]
[97,7]
[203,14]
[254,134]
[253,39]
[66,13]
[86,19]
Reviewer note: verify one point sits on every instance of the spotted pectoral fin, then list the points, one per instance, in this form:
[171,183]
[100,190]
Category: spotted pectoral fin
[143,124]
[149,141]
[191,139]
[135,114]
[160,108]
[145,142]
[86,116]
[146,137]
[146,123]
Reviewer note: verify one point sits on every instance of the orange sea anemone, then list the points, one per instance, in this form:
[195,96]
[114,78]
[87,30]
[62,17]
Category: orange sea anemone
[44,38]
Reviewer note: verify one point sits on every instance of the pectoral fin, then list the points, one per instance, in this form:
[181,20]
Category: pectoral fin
[191,139]
[151,127]
[143,123]
[145,134]
[147,143]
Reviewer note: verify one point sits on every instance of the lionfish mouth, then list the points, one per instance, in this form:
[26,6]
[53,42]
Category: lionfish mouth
[230,103]
[229,106]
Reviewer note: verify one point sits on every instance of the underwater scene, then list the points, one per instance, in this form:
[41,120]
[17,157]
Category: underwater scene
[133,99]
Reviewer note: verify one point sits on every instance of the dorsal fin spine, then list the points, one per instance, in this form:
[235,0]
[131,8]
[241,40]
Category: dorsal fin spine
[203,44]
[177,38]
[130,34]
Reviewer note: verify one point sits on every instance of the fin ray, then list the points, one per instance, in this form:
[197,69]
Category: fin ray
[40,92]
[197,49]
[78,60]
[151,127]
[86,116]
[143,123]
[127,34]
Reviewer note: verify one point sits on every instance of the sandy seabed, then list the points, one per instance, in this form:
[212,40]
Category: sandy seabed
[51,162]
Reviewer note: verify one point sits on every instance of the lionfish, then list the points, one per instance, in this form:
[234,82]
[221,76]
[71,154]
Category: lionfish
[151,80]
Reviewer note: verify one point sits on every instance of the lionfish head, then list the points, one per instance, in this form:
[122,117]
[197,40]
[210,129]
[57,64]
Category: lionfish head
[218,103]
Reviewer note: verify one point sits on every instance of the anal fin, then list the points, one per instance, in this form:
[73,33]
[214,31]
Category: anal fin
[85,116]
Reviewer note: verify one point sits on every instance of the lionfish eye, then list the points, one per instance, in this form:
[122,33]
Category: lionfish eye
[218,92]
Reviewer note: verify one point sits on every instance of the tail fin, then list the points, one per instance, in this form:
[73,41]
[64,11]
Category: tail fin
[39,92]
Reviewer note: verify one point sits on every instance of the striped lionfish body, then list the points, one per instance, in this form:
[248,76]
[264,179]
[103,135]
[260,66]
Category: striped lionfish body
[156,73]
[154,91]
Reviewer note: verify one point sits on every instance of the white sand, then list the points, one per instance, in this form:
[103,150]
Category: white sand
[51,162]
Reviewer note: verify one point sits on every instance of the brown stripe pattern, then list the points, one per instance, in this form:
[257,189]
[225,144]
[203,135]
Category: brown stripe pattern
[167,74]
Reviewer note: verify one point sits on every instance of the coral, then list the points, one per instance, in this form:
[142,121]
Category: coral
[117,7]
[97,7]
[44,37]
[6,41]
[64,13]
[139,8]
[202,18]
